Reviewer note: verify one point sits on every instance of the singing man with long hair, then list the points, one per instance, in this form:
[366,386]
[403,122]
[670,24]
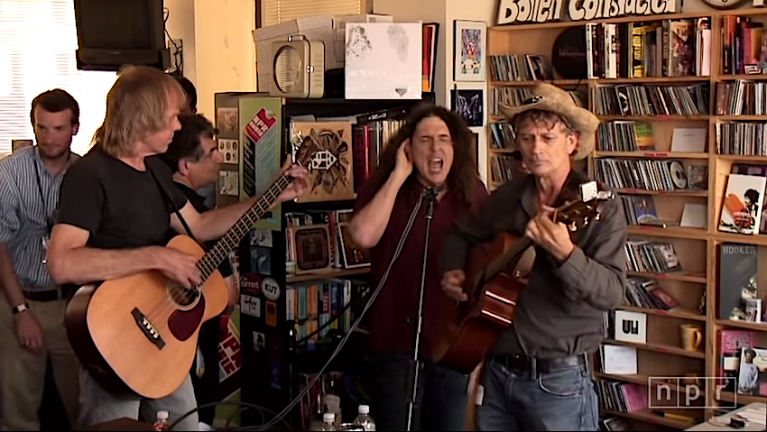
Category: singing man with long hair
[433,150]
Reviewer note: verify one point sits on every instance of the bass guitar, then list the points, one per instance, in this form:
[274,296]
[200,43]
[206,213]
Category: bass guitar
[139,333]
[495,277]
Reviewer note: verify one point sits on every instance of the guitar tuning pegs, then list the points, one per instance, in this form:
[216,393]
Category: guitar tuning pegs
[598,216]
[573,226]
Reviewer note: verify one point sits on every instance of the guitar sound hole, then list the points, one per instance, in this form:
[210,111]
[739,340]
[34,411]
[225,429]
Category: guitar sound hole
[183,298]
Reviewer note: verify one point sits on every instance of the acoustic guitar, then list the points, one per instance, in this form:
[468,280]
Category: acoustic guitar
[495,277]
[139,333]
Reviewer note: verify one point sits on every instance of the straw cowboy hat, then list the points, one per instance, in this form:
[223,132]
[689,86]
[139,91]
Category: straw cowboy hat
[546,97]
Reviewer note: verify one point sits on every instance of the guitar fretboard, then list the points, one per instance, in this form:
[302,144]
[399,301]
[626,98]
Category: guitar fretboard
[213,259]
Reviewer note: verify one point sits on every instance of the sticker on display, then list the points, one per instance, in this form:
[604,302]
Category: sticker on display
[250,305]
[270,289]
[230,150]
[261,237]
[259,341]
[250,284]
[271,314]
[261,260]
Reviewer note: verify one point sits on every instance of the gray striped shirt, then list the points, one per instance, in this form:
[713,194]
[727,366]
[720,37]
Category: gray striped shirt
[24,212]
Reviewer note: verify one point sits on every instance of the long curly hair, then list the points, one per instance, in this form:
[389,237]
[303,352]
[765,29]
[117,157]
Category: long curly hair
[463,175]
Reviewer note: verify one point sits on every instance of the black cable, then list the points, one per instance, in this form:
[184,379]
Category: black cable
[226,403]
[354,326]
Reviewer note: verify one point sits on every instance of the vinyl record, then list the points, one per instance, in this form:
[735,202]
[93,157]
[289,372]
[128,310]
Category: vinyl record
[568,55]
[678,175]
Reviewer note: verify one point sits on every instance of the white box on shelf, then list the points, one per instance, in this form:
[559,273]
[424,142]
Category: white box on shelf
[630,327]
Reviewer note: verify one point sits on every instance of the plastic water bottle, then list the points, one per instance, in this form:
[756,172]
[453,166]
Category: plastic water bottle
[162,421]
[328,422]
[364,420]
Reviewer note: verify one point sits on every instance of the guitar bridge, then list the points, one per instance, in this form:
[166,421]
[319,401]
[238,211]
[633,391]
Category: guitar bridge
[147,328]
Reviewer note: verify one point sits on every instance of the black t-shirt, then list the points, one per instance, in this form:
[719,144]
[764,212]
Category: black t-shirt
[198,203]
[120,206]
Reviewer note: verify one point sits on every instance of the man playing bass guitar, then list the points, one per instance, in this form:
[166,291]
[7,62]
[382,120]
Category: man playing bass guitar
[114,218]
[537,376]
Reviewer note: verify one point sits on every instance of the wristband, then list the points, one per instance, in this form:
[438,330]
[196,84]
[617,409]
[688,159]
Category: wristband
[20,308]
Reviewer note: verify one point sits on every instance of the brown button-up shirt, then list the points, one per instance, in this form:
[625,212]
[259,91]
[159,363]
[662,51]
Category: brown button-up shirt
[561,311]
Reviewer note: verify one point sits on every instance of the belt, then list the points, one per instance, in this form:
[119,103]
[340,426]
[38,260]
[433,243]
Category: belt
[65,292]
[521,362]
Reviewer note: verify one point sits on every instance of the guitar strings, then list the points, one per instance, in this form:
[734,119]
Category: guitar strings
[163,311]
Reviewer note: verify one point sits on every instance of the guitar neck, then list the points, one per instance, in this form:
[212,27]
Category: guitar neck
[229,241]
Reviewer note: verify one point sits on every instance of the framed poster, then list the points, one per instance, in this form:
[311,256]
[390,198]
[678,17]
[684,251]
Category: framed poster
[469,42]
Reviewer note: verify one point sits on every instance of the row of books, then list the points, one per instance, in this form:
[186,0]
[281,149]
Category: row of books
[651,175]
[625,136]
[515,96]
[517,67]
[646,293]
[622,397]
[651,100]
[501,168]
[369,141]
[639,209]
[741,138]
[503,135]
[741,97]
[743,45]
[669,48]
[644,256]
[313,305]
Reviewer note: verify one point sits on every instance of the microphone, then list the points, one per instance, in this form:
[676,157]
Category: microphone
[431,192]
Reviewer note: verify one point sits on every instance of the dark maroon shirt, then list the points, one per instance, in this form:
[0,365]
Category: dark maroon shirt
[392,318]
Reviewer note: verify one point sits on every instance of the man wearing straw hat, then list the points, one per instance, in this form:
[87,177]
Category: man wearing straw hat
[537,375]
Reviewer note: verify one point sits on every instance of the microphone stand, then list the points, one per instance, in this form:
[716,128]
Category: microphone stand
[430,194]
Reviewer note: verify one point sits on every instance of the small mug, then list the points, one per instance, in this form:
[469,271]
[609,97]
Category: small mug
[692,337]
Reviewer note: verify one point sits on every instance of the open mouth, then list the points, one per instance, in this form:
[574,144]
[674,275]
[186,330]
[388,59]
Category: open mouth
[436,164]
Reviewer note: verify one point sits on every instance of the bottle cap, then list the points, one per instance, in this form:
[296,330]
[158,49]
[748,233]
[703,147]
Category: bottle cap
[364,409]
[162,415]
[328,417]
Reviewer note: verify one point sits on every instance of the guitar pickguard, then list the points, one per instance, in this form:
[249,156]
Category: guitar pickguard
[183,324]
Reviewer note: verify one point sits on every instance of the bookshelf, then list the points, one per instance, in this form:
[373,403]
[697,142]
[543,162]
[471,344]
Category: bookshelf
[696,248]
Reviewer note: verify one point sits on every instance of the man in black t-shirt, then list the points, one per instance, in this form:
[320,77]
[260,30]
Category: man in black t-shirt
[113,220]
[194,158]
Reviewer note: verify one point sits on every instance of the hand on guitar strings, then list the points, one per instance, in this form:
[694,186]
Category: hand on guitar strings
[452,285]
[300,182]
[553,237]
[179,266]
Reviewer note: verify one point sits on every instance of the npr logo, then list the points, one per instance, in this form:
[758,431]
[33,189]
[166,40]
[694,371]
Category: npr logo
[688,392]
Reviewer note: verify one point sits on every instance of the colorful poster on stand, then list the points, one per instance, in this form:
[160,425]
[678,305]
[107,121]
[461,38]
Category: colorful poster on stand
[260,123]
[229,368]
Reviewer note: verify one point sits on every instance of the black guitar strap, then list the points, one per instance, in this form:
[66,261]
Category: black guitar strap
[170,202]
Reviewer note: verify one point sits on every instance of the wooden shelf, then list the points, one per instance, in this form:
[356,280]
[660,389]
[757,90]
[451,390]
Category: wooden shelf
[655,118]
[674,313]
[742,117]
[744,158]
[652,155]
[339,273]
[679,276]
[742,77]
[741,399]
[647,416]
[677,232]
[559,82]
[743,325]
[642,380]
[674,232]
[659,348]
[758,239]
[653,80]
[676,193]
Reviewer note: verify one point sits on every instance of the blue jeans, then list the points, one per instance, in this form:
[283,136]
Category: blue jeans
[562,399]
[442,397]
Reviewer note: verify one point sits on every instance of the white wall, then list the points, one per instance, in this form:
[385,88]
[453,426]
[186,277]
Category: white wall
[219,53]
[444,12]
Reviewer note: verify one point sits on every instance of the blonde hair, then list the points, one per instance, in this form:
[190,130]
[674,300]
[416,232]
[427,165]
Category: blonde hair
[136,108]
